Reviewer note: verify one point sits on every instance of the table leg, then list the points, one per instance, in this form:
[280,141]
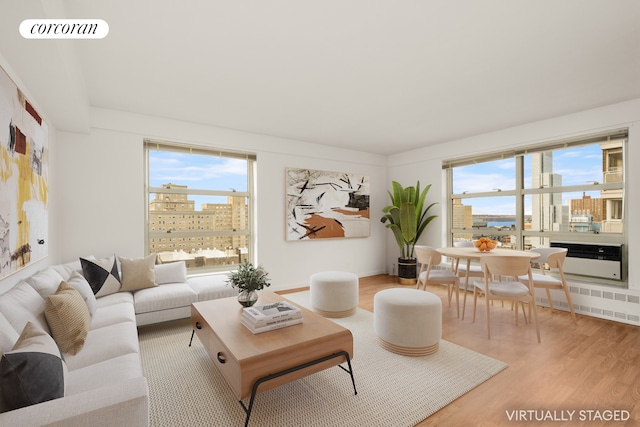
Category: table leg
[466,286]
[254,391]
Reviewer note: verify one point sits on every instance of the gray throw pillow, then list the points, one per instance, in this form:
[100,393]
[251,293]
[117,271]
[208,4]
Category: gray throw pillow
[33,372]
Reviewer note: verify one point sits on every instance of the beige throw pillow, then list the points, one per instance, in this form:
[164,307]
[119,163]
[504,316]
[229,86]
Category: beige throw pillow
[68,318]
[138,273]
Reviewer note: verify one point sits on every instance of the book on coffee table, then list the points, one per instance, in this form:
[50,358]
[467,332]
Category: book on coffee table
[269,326]
[269,320]
[273,311]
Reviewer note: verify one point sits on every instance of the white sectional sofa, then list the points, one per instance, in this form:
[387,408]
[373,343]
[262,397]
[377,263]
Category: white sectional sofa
[104,383]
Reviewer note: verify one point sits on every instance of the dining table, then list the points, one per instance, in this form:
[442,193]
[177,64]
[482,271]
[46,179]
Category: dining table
[473,253]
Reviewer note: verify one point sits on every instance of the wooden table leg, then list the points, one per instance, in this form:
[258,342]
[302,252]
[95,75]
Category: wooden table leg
[466,286]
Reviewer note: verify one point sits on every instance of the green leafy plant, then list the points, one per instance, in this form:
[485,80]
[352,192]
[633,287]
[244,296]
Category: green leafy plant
[406,216]
[248,277]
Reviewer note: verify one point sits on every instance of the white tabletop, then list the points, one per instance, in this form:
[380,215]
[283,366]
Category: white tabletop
[475,253]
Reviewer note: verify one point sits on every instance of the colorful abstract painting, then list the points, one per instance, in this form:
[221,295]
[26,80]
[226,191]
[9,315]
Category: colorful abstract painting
[323,204]
[24,153]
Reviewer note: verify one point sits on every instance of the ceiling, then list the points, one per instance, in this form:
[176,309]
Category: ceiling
[378,76]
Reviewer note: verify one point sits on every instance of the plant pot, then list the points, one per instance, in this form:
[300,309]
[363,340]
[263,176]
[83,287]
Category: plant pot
[407,271]
[247,298]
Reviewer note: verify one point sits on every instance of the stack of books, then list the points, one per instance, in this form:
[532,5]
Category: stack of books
[263,318]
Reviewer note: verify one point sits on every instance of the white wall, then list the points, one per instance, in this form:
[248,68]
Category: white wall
[100,194]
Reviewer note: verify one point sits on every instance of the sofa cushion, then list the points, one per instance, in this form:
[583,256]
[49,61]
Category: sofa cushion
[102,275]
[174,272]
[8,335]
[105,373]
[138,273]
[117,298]
[45,282]
[66,269]
[211,286]
[104,344]
[112,314]
[164,297]
[8,338]
[68,318]
[22,304]
[33,371]
[80,284]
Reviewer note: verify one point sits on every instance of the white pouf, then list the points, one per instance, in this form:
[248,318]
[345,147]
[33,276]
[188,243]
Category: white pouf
[334,293]
[407,321]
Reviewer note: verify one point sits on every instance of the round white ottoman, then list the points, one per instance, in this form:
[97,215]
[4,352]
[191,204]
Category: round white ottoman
[334,293]
[407,321]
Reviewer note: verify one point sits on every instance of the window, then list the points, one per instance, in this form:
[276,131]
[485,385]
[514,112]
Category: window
[566,191]
[199,205]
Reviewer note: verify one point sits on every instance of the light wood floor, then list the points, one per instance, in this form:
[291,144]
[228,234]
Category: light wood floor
[592,366]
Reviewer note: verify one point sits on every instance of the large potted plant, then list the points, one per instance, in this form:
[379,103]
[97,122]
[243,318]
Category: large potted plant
[407,218]
[248,279]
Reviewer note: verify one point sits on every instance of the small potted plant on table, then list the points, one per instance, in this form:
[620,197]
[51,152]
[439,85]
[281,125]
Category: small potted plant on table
[248,279]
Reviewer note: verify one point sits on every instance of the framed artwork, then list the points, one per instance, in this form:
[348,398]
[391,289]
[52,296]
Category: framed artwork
[322,205]
[24,170]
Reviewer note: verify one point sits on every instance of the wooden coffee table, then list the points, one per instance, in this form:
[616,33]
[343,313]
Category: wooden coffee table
[253,363]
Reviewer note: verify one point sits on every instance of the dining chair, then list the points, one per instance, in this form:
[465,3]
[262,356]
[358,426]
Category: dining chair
[474,270]
[554,259]
[514,290]
[429,258]
[465,270]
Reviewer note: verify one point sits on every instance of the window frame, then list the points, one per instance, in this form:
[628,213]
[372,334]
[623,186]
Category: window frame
[199,233]
[520,192]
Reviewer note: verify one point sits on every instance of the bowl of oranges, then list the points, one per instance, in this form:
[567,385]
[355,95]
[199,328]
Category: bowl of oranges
[485,244]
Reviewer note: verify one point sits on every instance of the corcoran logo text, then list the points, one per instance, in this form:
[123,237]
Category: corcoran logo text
[64,29]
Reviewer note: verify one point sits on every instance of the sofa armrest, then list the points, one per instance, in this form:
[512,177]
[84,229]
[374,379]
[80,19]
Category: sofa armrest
[122,404]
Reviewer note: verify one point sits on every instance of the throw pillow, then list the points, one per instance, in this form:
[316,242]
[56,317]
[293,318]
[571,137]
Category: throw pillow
[80,284]
[33,372]
[173,272]
[68,318]
[102,275]
[138,273]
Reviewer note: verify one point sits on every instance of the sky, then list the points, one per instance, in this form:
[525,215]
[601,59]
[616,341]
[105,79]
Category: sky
[198,172]
[577,165]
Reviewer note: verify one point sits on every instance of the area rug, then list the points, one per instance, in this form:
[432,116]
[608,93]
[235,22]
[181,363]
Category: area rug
[186,388]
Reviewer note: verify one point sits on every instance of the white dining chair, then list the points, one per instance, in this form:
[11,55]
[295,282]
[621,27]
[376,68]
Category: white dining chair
[515,290]
[553,258]
[461,270]
[429,258]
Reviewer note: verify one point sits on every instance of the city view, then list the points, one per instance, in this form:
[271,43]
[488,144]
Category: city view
[590,206]
[198,210]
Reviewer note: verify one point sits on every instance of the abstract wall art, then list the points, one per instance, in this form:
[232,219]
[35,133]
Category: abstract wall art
[24,169]
[323,204]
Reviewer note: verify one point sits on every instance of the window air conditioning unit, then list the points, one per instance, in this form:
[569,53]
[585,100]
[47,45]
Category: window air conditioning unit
[588,259]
